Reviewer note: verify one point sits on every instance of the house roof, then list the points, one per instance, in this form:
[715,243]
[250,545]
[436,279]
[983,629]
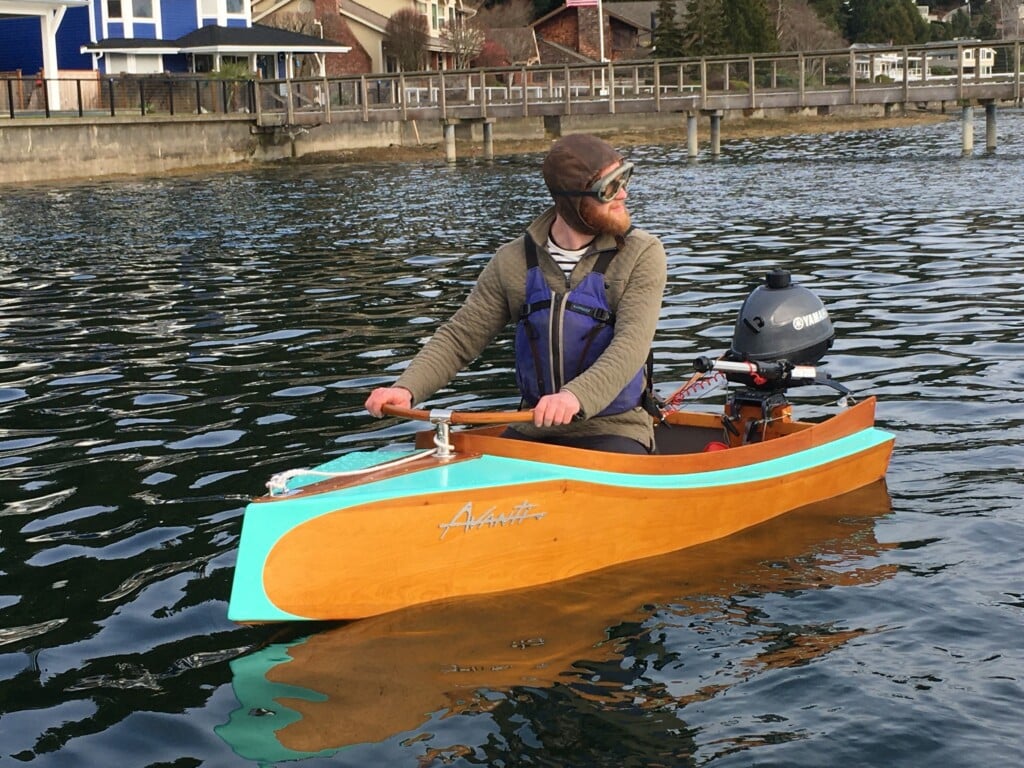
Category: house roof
[640,15]
[224,40]
[362,14]
[213,39]
[553,53]
[636,14]
[129,45]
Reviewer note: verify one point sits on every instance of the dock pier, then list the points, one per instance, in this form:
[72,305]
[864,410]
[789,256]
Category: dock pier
[178,116]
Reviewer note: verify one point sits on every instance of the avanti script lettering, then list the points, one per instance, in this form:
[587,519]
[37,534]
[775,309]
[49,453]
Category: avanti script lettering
[466,520]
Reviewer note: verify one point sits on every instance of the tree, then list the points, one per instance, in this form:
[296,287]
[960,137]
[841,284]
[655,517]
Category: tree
[829,11]
[406,35]
[508,37]
[1008,14]
[960,25]
[896,22]
[465,39]
[544,7]
[492,54]
[304,24]
[513,13]
[668,34]
[703,28]
[800,28]
[748,27]
[987,29]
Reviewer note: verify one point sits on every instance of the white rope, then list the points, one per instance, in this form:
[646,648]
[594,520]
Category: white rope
[279,483]
[443,446]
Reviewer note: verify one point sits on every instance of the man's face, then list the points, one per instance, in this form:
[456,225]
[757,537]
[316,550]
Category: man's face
[611,218]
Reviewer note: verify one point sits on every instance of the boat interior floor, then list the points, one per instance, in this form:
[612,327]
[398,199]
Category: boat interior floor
[672,440]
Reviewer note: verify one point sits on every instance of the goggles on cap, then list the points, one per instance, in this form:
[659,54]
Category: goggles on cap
[606,188]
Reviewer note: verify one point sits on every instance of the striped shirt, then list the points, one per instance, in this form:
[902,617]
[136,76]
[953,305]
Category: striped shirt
[566,259]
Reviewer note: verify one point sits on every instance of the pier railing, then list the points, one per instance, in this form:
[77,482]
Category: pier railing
[936,72]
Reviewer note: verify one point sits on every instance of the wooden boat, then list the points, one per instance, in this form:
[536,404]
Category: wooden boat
[473,513]
[387,676]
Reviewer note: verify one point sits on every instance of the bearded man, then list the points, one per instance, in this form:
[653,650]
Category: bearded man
[584,288]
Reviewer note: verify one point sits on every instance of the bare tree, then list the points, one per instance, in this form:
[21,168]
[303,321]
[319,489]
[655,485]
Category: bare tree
[304,24]
[799,28]
[509,39]
[1010,23]
[465,39]
[518,44]
[406,36]
[514,13]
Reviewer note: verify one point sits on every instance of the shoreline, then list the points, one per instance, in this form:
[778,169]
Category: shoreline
[732,130]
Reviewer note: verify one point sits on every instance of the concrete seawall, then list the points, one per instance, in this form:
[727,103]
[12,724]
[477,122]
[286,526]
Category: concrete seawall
[83,148]
[37,150]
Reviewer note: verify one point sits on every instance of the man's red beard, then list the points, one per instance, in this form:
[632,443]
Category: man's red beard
[604,219]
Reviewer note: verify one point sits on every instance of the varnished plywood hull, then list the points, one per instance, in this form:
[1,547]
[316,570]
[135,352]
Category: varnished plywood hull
[362,682]
[490,523]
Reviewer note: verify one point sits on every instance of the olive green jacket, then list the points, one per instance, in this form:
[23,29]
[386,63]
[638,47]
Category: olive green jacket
[634,284]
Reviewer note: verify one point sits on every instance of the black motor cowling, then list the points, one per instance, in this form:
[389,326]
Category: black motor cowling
[781,321]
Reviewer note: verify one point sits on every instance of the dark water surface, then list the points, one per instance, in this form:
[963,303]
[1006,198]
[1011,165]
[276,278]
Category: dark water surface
[167,345]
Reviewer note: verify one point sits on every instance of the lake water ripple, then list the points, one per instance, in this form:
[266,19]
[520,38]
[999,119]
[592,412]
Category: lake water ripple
[168,344]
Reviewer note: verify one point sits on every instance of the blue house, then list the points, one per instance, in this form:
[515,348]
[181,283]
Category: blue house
[146,37]
[41,34]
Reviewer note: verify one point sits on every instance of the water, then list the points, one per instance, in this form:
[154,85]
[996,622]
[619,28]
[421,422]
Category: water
[167,345]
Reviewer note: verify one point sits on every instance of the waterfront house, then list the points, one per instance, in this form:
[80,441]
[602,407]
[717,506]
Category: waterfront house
[570,33]
[931,63]
[368,20]
[977,61]
[71,38]
[43,34]
[885,66]
[271,52]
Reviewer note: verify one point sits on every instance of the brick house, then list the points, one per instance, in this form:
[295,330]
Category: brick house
[569,34]
[320,18]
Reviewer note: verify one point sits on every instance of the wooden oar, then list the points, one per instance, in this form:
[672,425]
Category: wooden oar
[460,417]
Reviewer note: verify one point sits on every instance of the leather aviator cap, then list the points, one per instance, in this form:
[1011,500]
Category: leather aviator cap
[571,166]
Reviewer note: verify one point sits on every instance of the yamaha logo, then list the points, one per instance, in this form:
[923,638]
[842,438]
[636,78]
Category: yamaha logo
[806,321]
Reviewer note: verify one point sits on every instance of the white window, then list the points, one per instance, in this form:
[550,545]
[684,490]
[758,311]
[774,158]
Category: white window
[220,9]
[133,63]
[134,12]
[117,63]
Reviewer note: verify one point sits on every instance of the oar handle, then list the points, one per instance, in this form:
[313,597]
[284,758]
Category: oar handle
[459,417]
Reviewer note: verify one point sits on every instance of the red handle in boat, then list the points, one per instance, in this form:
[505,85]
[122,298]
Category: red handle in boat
[460,417]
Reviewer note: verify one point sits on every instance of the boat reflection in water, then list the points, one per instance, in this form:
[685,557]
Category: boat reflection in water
[366,681]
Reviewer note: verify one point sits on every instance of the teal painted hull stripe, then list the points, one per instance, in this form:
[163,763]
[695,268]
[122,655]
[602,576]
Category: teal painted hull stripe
[265,523]
[495,471]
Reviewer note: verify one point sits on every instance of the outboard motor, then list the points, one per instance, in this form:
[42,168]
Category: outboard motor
[780,322]
[782,332]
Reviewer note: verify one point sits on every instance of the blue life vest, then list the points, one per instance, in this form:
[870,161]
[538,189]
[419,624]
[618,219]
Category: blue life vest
[560,335]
